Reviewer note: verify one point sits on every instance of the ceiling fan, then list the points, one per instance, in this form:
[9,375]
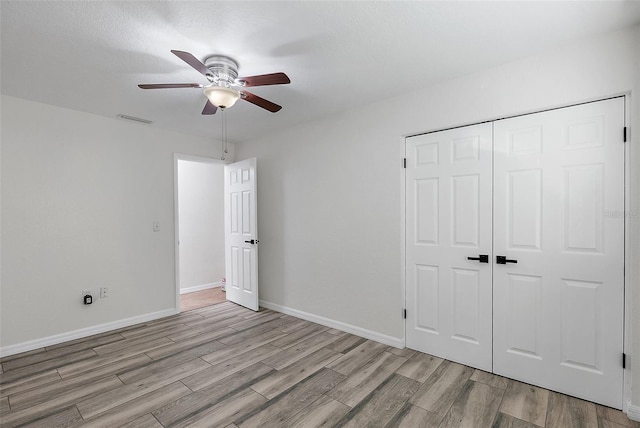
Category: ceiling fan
[222,74]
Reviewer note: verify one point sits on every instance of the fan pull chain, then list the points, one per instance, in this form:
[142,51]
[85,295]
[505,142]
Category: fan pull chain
[223,149]
[224,115]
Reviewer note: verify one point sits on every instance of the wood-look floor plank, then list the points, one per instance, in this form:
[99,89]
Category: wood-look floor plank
[21,355]
[232,365]
[363,381]
[29,382]
[440,390]
[151,327]
[411,416]
[294,373]
[167,363]
[405,352]
[420,366]
[568,412]
[133,409]
[131,345]
[476,406]
[613,415]
[256,321]
[60,351]
[507,421]
[241,347]
[217,321]
[490,379]
[280,408]
[188,407]
[381,406]
[45,392]
[237,338]
[4,405]
[168,331]
[226,411]
[97,361]
[108,400]
[346,343]
[46,365]
[357,357]
[526,402]
[192,342]
[146,421]
[55,404]
[294,338]
[305,347]
[605,423]
[262,312]
[298,324]
[65,418]
[325,412]
[237,311]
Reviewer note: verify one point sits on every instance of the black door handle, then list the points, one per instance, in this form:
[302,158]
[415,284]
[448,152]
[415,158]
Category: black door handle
[482,258]
[253,241]
[503,260]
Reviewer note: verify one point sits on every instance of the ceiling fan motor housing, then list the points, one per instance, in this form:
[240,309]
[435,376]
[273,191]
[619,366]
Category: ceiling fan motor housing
[224,70]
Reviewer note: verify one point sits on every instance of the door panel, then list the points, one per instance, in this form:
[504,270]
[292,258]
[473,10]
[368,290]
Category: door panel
[241,245]
[558,311]
[449,219]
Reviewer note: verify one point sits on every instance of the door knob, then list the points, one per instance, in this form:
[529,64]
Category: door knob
[482,258]
[253,241]
[503,260]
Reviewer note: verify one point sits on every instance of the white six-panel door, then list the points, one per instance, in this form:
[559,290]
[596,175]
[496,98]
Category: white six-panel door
[558,311]
[448,187]
[241,234]
[556,318]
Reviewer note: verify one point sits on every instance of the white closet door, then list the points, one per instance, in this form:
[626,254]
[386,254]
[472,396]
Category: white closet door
[558,311]
[241,233]
[448,194]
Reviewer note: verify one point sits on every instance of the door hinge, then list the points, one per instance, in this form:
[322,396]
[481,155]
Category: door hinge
[404,162]
[404,314]
[624,360]
[624,134]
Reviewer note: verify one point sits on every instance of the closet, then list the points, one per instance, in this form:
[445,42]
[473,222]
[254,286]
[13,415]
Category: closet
[515,248]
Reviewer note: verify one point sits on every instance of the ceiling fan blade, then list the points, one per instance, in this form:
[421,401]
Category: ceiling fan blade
[265,79]
[168,85]
[192,61]
[209,108]
[260,102]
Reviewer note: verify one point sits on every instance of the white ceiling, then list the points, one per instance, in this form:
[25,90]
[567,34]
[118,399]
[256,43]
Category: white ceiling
[90,55]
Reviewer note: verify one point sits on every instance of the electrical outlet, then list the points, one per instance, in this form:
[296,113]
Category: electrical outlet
[104,292]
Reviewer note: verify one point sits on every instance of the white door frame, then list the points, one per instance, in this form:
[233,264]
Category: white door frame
[627,345]
[176,216]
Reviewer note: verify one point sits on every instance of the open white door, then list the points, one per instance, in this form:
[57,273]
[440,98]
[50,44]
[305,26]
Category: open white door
[241,233]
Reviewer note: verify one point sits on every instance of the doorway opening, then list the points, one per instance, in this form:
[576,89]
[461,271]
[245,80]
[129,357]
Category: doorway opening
[199,229]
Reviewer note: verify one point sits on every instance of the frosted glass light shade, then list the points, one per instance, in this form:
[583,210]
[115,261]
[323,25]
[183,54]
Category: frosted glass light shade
[221,97]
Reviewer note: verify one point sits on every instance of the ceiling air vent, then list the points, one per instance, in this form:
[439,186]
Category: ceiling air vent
[135,119]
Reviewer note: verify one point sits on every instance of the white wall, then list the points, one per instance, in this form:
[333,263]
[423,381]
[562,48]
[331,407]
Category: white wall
[201,222]
[80,193]
[330,199]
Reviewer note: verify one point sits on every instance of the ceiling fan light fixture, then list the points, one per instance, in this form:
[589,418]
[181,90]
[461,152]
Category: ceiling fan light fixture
[221,96]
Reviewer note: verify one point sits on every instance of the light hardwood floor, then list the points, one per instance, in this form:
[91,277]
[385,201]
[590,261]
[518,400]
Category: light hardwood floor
[225,366]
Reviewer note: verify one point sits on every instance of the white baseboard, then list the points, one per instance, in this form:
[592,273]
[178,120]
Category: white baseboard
[83,332]
[200,287]
[396,342]
[634,412]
